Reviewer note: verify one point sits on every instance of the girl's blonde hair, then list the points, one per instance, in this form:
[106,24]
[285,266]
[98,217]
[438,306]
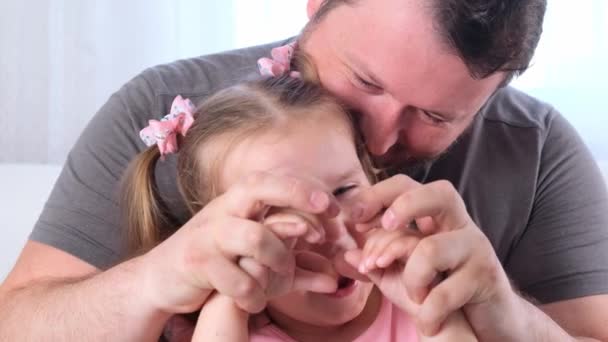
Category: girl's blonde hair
[246,109]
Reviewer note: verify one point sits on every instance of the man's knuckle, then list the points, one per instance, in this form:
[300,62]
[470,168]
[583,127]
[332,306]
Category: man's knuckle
[429,248]
[401,202]
[255,238]
[445,188]
[442,298]
[490,269]
[245,288]
[401,180]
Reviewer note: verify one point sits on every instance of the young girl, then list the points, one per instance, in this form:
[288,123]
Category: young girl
[286,126]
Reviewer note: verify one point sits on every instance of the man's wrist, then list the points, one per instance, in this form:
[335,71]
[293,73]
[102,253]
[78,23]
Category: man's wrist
[510,317]
[145,296]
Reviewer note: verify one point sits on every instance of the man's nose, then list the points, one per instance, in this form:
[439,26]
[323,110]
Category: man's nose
[381,128]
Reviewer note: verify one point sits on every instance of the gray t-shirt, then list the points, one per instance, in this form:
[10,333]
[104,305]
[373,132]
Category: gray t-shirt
[526,177]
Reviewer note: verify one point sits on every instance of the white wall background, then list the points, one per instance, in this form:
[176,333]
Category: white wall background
[61,59]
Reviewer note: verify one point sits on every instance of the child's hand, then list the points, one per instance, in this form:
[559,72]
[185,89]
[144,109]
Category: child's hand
[311,272]
[382,259]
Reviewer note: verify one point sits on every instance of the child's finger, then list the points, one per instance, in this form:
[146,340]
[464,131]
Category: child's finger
[313,232]
[381,240]
[399,249]
[353,257]
[377,241]
[426,225]
[347,269]
[287,230]
[306,280]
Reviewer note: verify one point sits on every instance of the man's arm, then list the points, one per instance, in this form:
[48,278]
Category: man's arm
[521,320]
[51,295]
[586,316]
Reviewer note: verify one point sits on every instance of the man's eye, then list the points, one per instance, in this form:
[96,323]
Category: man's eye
[365,83]
[344,189]
[433,117]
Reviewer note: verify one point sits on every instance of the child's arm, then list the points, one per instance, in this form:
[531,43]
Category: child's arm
[455,328]
[221,320]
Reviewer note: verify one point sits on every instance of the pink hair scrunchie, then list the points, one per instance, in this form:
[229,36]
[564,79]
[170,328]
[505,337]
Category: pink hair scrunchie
[163,133]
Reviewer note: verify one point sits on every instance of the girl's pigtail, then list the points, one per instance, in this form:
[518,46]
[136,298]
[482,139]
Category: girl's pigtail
[144,212]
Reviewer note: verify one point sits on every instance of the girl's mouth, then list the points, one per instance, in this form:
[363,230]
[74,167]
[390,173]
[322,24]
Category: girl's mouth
[346,286]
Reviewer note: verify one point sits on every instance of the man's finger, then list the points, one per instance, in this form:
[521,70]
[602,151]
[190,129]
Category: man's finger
[438,200]
[255,270]
[244,238]
[371,201]
[448,296]
[253,195]
[229,280]
[431,257]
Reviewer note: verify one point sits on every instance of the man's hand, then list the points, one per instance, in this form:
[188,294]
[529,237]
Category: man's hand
[450,265]
[203,255]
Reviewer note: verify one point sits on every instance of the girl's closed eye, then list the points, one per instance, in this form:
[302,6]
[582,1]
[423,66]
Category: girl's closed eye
[343,190]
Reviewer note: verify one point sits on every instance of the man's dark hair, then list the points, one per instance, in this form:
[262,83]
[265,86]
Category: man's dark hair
[489,35]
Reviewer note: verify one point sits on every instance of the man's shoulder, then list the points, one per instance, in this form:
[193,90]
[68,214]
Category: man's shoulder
[206,74]
[514,108]
[196,78]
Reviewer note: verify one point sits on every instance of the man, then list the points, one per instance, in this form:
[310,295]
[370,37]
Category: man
[425,77]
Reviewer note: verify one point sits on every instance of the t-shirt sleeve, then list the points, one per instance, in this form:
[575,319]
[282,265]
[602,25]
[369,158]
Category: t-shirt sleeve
[81,216]
[563,253]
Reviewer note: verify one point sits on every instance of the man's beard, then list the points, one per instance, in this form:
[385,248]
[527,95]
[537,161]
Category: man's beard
[397,160]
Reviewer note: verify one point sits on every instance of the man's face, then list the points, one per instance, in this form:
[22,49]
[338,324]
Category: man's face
[386,60]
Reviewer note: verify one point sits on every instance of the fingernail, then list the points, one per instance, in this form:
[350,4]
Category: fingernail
[369,263]
[362,268]
[389,220]
[319,200]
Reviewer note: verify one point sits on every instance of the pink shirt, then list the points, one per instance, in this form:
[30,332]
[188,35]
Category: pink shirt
[392,324]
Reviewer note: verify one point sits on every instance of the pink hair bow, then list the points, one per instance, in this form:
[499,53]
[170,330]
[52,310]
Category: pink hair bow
[280,63]
[164,132]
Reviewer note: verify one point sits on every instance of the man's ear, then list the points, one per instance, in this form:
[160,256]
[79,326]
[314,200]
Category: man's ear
[312,6]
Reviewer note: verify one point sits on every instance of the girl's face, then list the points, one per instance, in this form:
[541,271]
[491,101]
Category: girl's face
[321,149]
